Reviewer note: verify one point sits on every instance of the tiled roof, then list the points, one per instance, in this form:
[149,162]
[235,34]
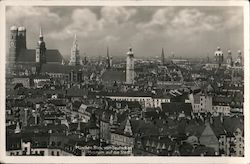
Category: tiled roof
[130,104]
[201,149]
[76,92]
[128,94]
[58,68]
[138,126]
[177,108]
[53,56]
[113,75]
[217,126]
[29,55]
[195,129]
[232,123]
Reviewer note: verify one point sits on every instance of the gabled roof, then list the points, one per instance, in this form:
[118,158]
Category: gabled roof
[59,68]
[127,94]
[177,108]
[232,123]
[138,126]
[76,92]
[29,55]
[26,55]
[53,55]
[113,75]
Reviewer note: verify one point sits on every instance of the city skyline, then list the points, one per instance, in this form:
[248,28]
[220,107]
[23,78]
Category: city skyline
[123,90]
[121,27]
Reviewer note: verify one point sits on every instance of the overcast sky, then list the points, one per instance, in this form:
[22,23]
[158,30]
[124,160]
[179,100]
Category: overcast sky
[186,31]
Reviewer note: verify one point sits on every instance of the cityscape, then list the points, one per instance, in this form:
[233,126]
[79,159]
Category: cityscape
[126,104]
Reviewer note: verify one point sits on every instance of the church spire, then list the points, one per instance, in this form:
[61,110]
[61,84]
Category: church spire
[40,49]
[108,58]
[75,54]
[75,40]
[41,33]
[107,51]
[162,57]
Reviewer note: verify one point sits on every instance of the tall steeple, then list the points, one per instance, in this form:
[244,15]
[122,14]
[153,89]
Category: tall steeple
[162,57]
[40,49]
[41,33]
[108,58]
[75,57]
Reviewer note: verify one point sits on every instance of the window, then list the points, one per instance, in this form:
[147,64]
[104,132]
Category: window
[52,153]
[42,153]
[59,143]
[57,153]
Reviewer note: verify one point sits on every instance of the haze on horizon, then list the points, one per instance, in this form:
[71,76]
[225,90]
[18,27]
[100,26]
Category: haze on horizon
[186,31]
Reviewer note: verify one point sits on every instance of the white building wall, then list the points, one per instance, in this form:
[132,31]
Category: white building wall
[130,73]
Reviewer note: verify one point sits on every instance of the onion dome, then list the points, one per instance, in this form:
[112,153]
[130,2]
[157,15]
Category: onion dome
[13,28]
[21,28]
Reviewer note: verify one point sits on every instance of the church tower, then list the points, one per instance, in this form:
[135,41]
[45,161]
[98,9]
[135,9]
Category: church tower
[239,59]
[162,57]
[12,48]
[109,59]
[22,38]
[218,56]
[41,49]
[75,57]
[130,73]
[229,59]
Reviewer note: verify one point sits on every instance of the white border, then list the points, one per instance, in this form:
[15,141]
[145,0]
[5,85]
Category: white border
[48,159]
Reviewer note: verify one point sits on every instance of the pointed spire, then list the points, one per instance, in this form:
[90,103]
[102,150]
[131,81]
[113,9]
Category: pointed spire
[75,45]
[107,51]
[18,129]
[162,57]
[75,39]
[128,128]
[108,58]
[41,32]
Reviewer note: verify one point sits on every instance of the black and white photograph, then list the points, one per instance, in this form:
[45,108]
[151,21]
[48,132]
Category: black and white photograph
[125,80]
